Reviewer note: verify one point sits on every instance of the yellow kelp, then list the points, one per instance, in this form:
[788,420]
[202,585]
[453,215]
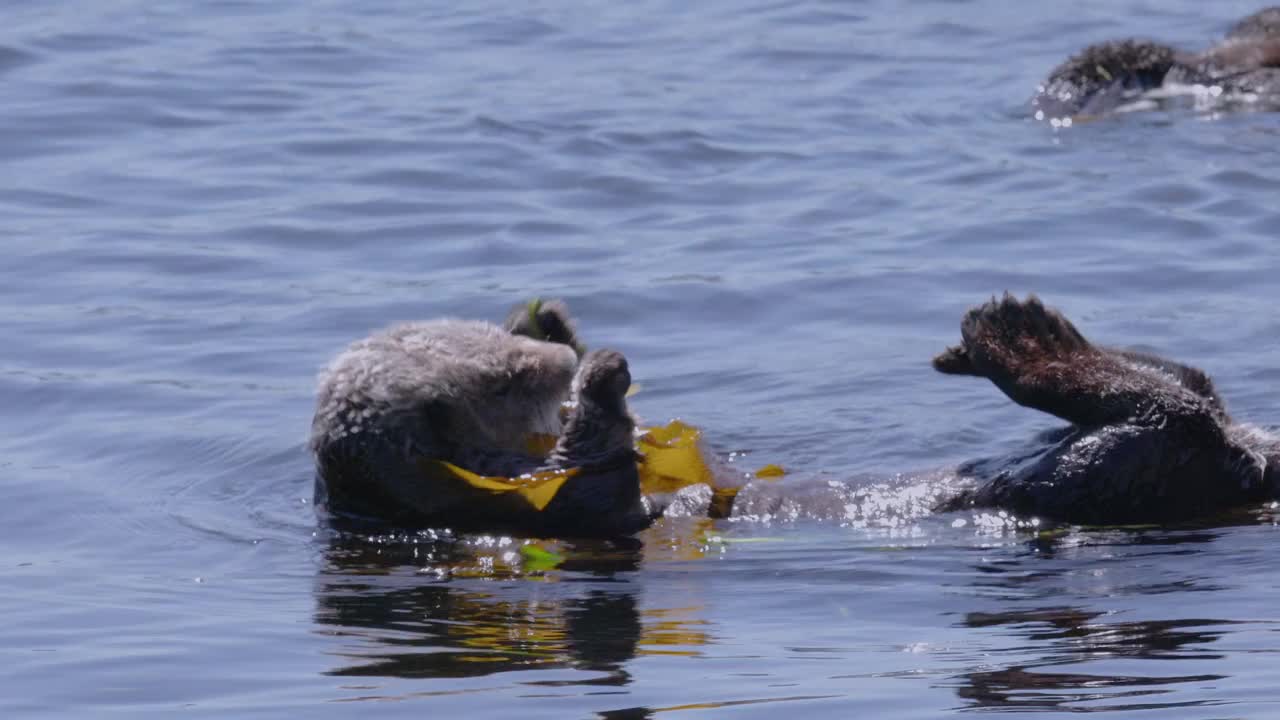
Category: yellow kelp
[671,459]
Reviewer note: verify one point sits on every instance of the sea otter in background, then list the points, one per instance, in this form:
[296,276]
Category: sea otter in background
[1111,75]
[479,397]
[1150,441]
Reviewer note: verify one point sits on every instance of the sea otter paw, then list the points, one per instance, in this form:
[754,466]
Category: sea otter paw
[954,361]
[1004,335]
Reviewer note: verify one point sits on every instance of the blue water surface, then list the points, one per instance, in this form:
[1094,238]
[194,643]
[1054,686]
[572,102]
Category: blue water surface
[778,211]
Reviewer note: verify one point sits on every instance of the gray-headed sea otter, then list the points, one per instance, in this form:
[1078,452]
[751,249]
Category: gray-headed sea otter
[1150,441]
[1111,75]
[393,407]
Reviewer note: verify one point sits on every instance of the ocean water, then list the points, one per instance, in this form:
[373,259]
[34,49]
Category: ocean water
[778,211]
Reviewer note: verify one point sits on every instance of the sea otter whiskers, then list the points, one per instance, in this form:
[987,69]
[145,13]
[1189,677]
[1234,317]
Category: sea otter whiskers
[1151,439]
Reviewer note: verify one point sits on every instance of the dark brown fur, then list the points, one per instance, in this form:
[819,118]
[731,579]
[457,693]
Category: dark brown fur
[545,320]
[1151,438]
[1105,76]
[604,497]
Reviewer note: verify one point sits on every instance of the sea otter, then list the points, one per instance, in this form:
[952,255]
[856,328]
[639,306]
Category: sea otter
[1150,441]
[391,407]
[1112,75]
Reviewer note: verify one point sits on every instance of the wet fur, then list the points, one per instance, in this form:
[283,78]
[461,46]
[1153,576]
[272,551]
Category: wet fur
[1151,439]
[1105,76]
[470,393]
[545,320]
[599,439]
[444,383]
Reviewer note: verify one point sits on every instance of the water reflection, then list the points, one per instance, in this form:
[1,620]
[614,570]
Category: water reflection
[422,608]
[1075,657]
[401,612]
[1076,636]
[1059,562]
[1079,630]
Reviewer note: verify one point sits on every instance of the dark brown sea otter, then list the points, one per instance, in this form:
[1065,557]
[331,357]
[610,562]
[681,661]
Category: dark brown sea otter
[392,407]
[1150,441]
[1110,75]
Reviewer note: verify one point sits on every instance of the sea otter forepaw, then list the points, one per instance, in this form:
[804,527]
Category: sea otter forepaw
[954,361]
[1007,329]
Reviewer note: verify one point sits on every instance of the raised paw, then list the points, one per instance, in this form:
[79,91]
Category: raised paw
[1001,337]
[1039,359]
[954,361]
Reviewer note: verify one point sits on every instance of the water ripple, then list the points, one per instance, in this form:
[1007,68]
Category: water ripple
[778,210]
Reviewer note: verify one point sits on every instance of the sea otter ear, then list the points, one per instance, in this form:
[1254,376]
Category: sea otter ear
[547,320]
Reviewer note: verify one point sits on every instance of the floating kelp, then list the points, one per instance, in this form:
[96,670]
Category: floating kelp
[671,458]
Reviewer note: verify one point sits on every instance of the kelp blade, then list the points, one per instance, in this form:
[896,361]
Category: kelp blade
[672,458]
[538,489]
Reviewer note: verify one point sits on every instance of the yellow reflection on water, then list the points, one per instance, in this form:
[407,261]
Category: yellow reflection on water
[440,605]
[674,631]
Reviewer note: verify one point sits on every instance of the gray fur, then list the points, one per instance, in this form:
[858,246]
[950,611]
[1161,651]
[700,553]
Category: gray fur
[471,393]
[486,387]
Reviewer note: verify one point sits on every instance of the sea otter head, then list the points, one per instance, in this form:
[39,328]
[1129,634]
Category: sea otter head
[546,320]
